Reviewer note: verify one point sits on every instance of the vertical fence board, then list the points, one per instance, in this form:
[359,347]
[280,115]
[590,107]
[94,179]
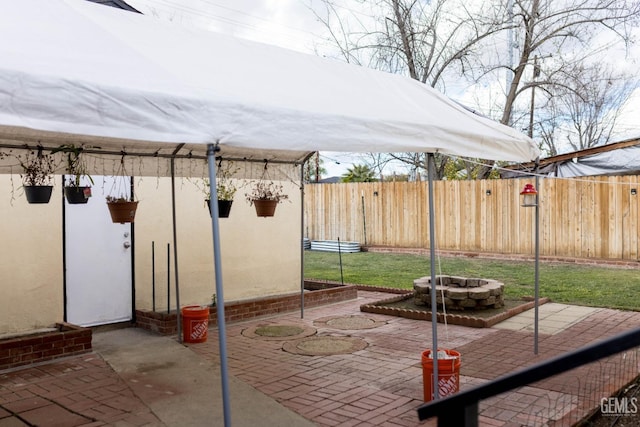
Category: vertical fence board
[581,218]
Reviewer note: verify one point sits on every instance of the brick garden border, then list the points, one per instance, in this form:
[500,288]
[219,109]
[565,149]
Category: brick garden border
[320,293]
[66,340]
[452,319]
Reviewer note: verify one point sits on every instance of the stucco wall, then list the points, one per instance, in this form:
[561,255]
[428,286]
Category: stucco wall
[31,284]
[260,256]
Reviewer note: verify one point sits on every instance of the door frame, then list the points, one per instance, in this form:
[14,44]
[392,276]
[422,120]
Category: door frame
[64,258]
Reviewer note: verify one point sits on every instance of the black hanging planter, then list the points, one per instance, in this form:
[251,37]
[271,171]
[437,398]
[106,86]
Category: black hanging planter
[77,195]
[38,193]
[224,207]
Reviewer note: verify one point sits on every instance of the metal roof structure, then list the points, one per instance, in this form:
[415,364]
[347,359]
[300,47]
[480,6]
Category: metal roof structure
[618,158]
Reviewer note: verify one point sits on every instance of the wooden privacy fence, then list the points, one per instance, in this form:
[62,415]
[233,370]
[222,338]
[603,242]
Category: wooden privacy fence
[579,218]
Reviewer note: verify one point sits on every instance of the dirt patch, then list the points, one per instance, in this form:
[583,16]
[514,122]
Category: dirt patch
[278,332]
[325,345]
[403,306]
[354,322]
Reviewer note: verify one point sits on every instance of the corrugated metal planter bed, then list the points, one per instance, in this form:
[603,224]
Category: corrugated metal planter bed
[335,246]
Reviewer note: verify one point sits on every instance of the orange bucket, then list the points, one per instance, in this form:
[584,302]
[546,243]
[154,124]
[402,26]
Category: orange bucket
[448,374]
[195,323]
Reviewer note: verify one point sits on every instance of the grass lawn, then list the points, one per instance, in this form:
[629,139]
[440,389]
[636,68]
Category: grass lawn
[596,286]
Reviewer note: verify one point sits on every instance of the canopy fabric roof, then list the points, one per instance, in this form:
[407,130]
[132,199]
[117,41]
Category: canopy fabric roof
[120,82]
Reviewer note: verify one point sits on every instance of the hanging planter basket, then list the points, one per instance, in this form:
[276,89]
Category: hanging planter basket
[122,211]
[265,195]
[224,207]
[77,195]
[265,208]
[38,193]
[36,174]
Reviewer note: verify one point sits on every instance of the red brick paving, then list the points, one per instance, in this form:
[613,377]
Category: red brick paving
[382,384]
[76,391]
[378,386]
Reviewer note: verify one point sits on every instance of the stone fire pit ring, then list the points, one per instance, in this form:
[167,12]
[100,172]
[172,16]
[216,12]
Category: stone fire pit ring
[460,293]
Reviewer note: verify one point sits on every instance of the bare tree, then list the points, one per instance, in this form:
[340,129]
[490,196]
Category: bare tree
[565,35]
[583,107]
[425,40]
[437,42]
[594,106]
[314,168]
[563,31]
[418,38]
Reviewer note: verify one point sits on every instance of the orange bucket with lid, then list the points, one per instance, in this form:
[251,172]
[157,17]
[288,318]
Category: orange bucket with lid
[448,374]
[195,323]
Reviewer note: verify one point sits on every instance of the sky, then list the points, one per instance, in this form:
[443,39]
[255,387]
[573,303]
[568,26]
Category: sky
[292,24]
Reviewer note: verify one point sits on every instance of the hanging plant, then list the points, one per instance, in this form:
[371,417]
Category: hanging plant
[225,188]
[37,175]
[122,208]
[265,195]
[74,191]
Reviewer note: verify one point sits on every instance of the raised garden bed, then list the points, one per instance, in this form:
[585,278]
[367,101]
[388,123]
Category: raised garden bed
[403,306]
[318,293]
[63,340]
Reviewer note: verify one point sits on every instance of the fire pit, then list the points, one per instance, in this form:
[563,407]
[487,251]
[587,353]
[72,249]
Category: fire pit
[460,293]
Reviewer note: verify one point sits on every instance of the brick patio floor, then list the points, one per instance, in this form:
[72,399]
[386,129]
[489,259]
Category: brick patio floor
[380,385]
[75,391]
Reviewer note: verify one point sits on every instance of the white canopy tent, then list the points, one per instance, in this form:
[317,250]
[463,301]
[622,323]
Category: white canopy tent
[118,83]
[122,81]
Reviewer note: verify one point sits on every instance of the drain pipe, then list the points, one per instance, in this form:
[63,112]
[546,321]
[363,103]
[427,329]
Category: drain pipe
[153,273]
[169,278]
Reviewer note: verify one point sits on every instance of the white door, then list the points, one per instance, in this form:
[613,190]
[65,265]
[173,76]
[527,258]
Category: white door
[98,262]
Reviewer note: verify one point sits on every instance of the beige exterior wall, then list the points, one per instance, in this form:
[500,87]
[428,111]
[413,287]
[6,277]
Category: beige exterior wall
[260,256]
[31,280]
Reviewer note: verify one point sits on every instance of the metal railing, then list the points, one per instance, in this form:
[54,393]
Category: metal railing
[461,409]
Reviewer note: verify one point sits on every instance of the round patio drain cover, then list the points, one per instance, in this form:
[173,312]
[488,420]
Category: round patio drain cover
[278,332]
[325,345]
[349,322]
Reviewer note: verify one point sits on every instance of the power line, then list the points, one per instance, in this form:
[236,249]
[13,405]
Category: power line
[290,33]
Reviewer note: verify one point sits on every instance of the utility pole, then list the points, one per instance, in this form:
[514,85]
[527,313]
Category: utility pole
[536,74]
[510,44]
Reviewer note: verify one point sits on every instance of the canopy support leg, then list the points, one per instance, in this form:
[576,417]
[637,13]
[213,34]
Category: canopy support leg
[175,247]
[222,330]
[432,251]
[302,241]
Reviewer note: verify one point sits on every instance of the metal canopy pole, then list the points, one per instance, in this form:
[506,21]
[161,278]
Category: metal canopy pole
[302,241]
[432,251]
[175,244]
[222,332]
[537,267]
